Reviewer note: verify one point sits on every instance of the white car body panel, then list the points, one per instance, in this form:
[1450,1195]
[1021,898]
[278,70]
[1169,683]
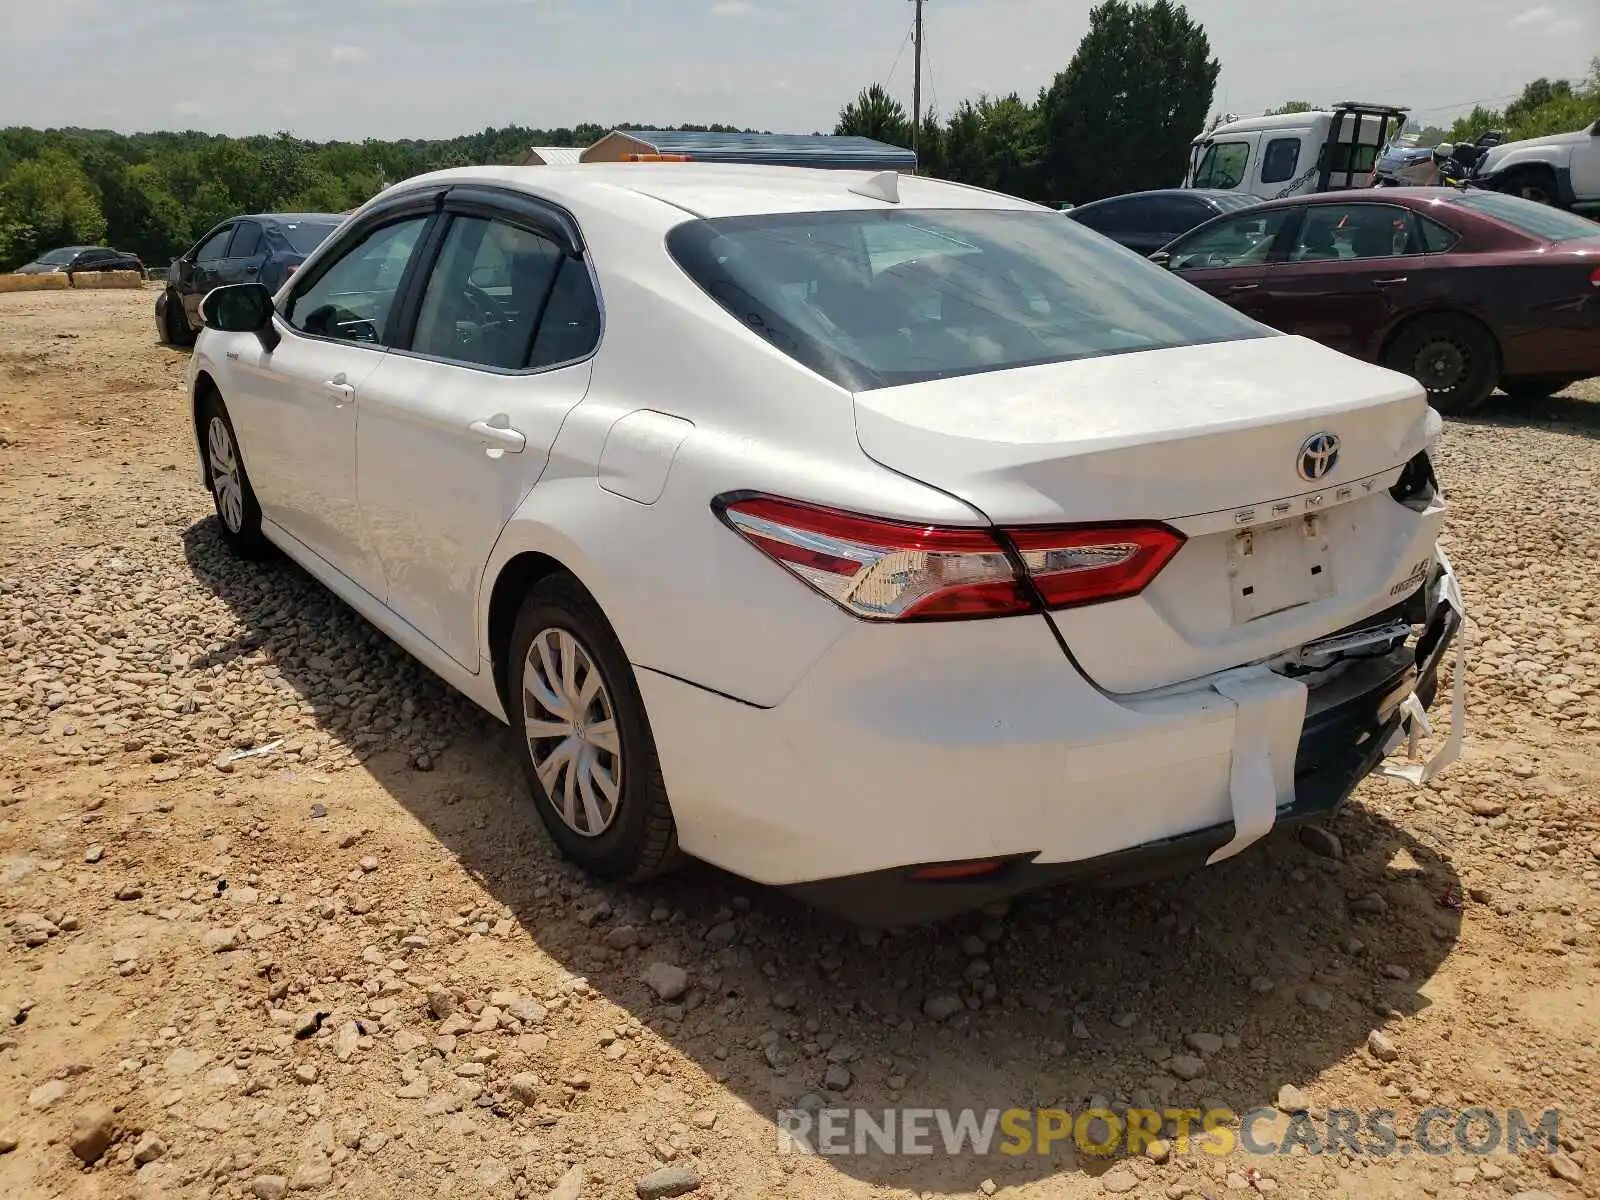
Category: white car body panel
[798,742]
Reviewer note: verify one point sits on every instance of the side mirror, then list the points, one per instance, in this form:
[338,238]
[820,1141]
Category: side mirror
[241,308]
[1162,258]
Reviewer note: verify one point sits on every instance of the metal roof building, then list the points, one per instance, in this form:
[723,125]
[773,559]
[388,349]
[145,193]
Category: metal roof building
[769,149]
[552,156]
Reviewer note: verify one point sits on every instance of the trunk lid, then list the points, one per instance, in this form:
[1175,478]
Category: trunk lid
[1210,440]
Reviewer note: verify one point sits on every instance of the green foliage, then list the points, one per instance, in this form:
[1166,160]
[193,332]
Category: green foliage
[1545,106]
[51,202]
[875,114]
[1292,106]
[1121,116]
[155,194]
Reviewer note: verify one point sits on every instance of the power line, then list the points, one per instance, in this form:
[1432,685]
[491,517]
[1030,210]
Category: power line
[904,43]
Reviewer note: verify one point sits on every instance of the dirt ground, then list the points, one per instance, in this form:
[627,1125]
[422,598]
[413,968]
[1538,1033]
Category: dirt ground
[352,966]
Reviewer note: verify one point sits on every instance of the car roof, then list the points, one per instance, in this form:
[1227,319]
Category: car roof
[292,218]
[719,190]
[1409,197]
[1201,193]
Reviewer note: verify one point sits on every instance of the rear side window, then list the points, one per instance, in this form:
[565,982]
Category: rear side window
[874,299]
[1279,160]
[246,240]
[1436,239]
[570,327]
[305,236]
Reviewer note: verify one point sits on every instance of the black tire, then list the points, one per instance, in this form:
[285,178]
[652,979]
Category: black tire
[638,838]
[1535,387]
[240,523]
[175,329]
[1532,184]
[1454,357]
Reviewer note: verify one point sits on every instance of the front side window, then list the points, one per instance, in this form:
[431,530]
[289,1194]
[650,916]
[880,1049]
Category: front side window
[215,247]
[486,293]
[352,299]
[1242,241]
[1279,160]
[1223,165]
[874,299]
[1338,232]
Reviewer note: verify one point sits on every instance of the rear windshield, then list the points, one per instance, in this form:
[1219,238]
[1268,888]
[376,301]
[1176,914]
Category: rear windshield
[873,299]
[306,236]
[1535,220]
[60,257]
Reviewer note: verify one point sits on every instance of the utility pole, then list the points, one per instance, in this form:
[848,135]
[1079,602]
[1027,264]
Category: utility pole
[916,84]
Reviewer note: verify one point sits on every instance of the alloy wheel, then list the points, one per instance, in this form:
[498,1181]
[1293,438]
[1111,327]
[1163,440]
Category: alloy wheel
[572,731]
[226,482]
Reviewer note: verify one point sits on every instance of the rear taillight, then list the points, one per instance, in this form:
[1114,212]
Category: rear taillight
[895,571]
[292,268]
[1594,279]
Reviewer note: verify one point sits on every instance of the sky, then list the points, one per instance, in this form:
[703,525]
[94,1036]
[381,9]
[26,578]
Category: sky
[353,69]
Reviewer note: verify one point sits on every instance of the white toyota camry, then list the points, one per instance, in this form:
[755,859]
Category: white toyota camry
[884,539]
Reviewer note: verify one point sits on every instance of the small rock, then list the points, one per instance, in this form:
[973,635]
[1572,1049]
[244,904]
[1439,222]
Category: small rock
[1563,1166]
[1119,1181]
[942,1005]
[440,1003]
[722,934]
[1321,842]
[1381,1047]
[1292,1100]
[47,1093]
[94,853]
[524,1087]
[219,940]
[1186,1066]
[346,1041]
[1314,995]
[987,1187]
[665,980]
[1396,971]
[268,1187]
[92,1131]
[149,1148]
[312,1174]
[570,1185]
[668,1181]
[1204,1043]
[837,1078]
[1485,806]
[8,1141]
[623,937]
[1158,1150]
[1372,904]
[368,864]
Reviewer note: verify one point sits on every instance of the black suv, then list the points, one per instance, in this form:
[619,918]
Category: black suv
[262,248]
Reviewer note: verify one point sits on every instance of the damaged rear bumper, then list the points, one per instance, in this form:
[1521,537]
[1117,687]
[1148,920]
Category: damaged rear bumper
[1351,725]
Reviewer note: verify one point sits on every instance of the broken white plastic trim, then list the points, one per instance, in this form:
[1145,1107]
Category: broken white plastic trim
[1269,713]
[1415,723]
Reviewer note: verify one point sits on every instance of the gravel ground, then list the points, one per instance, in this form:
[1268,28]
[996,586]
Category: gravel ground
[351,965]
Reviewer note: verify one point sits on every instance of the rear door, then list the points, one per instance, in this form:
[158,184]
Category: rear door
[1350,269]
[1229,257]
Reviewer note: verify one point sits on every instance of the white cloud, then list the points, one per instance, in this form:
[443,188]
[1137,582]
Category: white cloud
[733,8]
[1542,15]
[188,108]
[347,54]
[1548,21]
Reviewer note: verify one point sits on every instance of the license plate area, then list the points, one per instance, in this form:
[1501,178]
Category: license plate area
[1275,567]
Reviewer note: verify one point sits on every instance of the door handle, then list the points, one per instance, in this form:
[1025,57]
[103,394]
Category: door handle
[1395,282]
[251,270]
[1244,287]
[338,390]
[499,436]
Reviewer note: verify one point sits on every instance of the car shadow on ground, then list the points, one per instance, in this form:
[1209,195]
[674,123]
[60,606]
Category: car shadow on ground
[1563,414]
[1072,997]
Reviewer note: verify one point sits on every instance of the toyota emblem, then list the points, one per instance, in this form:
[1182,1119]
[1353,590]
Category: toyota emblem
[1319,454]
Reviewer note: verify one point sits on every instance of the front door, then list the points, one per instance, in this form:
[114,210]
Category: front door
[299,421]
[1229,258]
[204,271]
[457,428]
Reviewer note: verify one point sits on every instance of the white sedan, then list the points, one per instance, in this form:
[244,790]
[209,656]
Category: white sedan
[884,539]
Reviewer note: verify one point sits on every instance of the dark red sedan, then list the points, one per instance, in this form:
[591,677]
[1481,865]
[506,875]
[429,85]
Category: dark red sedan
[1463,290]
